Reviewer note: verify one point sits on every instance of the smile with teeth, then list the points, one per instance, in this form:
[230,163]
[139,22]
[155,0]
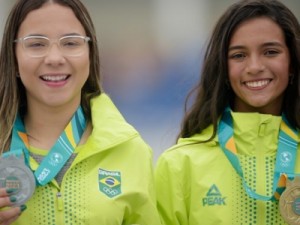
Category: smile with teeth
[257,84]
[53,78]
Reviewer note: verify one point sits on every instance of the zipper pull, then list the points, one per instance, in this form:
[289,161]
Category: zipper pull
[59,201]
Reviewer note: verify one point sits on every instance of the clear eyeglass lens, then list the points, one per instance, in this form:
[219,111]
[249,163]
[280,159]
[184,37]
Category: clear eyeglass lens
[70,45]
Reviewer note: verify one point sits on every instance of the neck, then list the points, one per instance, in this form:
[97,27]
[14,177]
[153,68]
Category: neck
[273,109]
[44,126]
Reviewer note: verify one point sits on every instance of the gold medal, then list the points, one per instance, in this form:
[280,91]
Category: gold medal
[289,202]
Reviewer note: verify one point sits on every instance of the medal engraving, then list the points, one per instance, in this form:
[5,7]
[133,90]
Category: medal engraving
[15,175]
[289,202]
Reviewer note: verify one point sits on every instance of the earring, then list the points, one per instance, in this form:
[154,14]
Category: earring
[291,76]
[18,74]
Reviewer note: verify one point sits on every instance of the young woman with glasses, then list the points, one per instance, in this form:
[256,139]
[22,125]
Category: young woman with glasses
[68,156]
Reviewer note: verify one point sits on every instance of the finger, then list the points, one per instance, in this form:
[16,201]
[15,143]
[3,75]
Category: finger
[10,220]
[5,192]
[7,201]
[8,215]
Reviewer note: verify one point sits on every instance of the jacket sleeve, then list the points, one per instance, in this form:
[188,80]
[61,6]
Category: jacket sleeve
[143,210]
[171,202]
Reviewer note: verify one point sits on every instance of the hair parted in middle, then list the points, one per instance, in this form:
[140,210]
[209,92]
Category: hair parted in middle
[213,93]
[12,91]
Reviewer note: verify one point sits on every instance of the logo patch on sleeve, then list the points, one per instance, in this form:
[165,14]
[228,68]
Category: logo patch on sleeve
[109,182]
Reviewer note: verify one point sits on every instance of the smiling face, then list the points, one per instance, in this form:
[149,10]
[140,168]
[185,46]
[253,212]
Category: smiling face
[258,66]
[55,79]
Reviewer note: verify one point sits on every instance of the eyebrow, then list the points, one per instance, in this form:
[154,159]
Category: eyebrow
[71,34]
[67,34]
[267,44]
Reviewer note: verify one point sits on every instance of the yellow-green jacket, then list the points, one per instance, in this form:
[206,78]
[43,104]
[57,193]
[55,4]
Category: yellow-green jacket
[197,185]
[110,182]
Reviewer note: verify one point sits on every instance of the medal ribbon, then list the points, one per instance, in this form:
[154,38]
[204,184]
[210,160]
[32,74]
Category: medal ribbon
[285,158]
[58,154]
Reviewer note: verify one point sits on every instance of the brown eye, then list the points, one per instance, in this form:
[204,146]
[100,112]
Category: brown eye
[237,56]
[271,52]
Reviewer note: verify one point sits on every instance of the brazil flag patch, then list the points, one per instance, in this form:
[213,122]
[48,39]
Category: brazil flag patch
[110,182]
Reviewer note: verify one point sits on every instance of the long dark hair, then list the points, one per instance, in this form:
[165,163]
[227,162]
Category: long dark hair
[213,94]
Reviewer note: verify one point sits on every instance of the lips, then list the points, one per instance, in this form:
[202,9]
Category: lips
[54,78]
[257,83]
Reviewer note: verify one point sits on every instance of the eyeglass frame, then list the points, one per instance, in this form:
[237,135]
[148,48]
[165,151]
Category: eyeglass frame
[51,41]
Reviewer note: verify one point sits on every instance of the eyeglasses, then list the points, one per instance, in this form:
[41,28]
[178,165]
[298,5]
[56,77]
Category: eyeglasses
[39,46]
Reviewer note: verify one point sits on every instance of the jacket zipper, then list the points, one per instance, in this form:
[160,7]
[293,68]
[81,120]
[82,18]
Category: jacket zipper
[59,201]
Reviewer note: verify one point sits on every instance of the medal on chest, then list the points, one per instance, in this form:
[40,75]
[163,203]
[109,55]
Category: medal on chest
[15,172]
[16,176]
[285,190]
[289,202]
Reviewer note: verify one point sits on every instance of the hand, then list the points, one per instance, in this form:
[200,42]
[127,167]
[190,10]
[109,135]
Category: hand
[8,214]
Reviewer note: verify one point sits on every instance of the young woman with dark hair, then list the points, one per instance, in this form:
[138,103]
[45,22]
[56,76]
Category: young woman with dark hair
[238,147]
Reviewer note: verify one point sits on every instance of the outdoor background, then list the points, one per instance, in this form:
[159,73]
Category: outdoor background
[151,52]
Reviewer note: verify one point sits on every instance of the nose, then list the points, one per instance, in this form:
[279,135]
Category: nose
[255,64]
[54,55]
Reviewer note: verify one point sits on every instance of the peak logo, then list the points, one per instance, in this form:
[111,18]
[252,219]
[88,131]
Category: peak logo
[213,197]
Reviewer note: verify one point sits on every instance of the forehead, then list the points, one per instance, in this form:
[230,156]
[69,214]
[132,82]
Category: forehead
[260,28]
[52,20]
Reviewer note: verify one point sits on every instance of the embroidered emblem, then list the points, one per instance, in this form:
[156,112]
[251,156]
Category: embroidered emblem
[213,197]
[285,158]
[56,158]
[110,182]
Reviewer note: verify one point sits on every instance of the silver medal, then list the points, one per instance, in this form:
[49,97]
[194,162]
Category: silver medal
[15,175]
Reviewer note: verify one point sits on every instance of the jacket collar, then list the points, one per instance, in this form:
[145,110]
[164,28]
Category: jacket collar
[109,127]
[247,123]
